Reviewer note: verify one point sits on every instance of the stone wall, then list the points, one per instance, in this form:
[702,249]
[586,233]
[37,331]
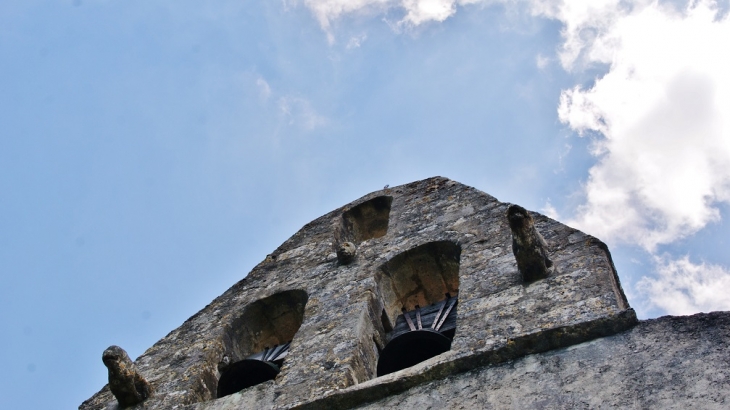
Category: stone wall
[414,243]
[666,363]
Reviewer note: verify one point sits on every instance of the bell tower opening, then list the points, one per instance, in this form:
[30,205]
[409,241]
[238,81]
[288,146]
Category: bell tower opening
[259,341]
[420,295]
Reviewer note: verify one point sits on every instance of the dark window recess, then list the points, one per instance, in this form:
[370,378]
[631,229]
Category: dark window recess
[419,334]
[367,220]
[255,369]
[257,342]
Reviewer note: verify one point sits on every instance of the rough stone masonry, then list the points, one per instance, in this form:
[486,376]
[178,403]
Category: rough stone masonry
[432,267]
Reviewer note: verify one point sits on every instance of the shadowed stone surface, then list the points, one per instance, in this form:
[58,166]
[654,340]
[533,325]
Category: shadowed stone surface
[414,243]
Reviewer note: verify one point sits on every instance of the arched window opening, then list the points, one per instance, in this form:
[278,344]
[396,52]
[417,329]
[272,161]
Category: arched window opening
[420,294]
[259,341]
[367,220]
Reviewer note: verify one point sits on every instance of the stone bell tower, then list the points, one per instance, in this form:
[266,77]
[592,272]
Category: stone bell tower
[407,296]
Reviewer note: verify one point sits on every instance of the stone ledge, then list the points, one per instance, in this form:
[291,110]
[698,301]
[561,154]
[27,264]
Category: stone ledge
[446,364]
[666,363]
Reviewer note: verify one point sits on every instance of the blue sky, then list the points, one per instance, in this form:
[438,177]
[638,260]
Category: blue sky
[152,153]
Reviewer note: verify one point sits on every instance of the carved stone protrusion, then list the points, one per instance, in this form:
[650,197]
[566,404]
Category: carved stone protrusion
[224,363]
[346,252]
[127,385]
[528,245]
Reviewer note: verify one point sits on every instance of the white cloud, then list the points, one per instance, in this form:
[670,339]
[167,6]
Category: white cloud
[661,122]
[264,89]
[561,158]
[542,61]
[327,11]
[585,24]
[549,210]
[421,11]
[300,112]
[415,12]
[356,41]
[292,109]
[683,287]
[664,155]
